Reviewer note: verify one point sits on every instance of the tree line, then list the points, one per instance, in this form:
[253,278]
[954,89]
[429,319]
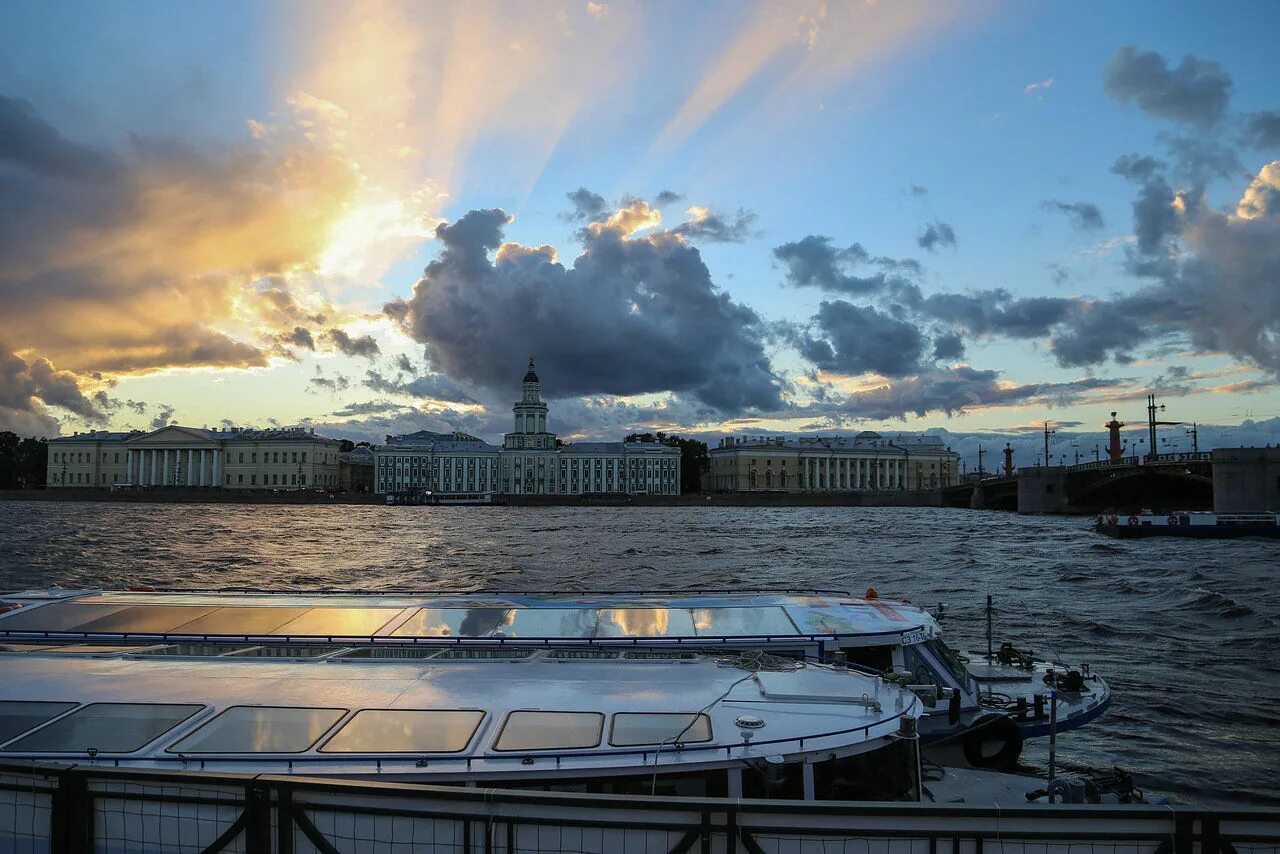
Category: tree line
[23,462]
[694,456]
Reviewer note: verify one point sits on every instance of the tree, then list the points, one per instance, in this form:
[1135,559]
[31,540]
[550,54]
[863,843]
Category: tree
[694,456]
[23,462]
[346,446]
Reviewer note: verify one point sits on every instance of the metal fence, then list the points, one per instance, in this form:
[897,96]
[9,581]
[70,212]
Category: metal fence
[51,808]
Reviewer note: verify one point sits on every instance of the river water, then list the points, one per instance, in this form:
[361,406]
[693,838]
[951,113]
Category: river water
[1187,632]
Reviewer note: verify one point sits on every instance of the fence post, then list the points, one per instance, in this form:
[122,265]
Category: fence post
[284,819]
[71,814]
[257,807]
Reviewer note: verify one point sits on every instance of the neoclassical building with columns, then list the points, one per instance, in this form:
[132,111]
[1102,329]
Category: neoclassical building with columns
[191,457]
[867,461]
[530,461]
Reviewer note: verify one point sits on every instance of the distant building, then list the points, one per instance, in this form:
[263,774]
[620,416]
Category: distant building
[530,461]
[192,457]
[355,470]
[867,461]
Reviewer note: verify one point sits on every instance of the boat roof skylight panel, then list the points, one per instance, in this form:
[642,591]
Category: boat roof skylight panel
[106,728]
[240,621]
[55,617]
[338,622]
[635,729]
[453,622]
[549,623]
[19,716]
[742,622]
[406,731]
[260,729]
[537,730]
[644,622]
[147,619]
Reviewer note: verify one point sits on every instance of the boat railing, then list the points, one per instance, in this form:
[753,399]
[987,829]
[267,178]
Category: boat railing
[80,808]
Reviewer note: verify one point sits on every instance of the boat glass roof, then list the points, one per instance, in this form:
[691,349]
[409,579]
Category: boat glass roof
[527,730]
[633,729]
[18,716]
[412,731]
[260,729]
[721,622]
[344,622]
[106,727]
[241,621]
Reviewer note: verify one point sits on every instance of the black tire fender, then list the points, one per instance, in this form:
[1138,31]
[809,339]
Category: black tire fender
[993,728]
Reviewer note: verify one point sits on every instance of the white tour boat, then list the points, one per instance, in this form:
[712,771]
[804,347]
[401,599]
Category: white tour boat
[987,706]
[607,721]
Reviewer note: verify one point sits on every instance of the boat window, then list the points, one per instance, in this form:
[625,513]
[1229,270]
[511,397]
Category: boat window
[338,622]
[921,669]
[577,654]
[956,663]
[875,657]
[18,716]
[284,651]
[550,731]
[662,656]
[240,621]
[415,731]
[260,729]
[737,622]
[452,622]
[631,729]
[106,727]
[196,649]
[371,652]
[484,654]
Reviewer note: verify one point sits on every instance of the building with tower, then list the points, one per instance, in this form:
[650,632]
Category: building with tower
[531,460]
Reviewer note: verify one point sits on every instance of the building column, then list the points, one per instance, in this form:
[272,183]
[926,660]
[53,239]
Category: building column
[191,479]
[202,480]
[128,465]
[217,466]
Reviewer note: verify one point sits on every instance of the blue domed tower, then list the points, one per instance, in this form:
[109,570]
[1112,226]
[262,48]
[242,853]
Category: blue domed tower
[529,451]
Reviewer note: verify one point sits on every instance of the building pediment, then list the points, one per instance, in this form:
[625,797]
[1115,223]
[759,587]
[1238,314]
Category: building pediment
[188,437]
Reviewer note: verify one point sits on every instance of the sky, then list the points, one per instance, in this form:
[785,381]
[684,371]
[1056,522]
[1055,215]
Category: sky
[709,218]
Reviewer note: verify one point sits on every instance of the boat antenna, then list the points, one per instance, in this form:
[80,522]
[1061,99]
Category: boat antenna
[989,658]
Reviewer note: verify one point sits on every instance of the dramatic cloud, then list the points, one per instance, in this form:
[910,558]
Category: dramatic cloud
[997,312]
[1083,215]
[163,417]
[937,234]
[712,227]
[948,347]
[631,315]
[330,384]
[1196,92]
[813,262]
[667,197]
[432,386]
[299,337]
[364,346]
[851,339]
[28,389]
[161,255]
[1262,130]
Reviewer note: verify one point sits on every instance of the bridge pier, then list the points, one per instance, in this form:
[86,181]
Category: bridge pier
[1042,490]
[1246,480]
[978,498]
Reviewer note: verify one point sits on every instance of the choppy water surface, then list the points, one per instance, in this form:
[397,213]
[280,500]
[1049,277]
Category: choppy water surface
[1187,632]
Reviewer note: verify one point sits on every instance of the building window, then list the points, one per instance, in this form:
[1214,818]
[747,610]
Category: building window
[253,480]
[239,478]
[304,456]
[253,457]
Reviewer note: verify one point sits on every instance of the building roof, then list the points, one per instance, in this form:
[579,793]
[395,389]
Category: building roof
[361,456]
[867,440]
[98,436]
[230,434]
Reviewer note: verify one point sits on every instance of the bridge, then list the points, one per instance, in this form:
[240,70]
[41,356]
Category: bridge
[1184,481]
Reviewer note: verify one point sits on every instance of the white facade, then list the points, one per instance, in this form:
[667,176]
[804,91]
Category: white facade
[530,461]
[191,457]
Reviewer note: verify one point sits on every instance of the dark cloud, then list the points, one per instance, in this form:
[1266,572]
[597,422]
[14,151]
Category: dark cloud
[917,190]
[631,315]
[163,417]
[937,234]
[954,390]
[370,407]
[1262,130]
[363,346]
[28,389]
[1097,330]
[28,141]
[403,364]
[587,206]
[997,312]
[713,227]
[1196,92]
[433,386]
[1135,167]
[1083,215]
[334,383]
[1153,215]
[300,337]
[850,339]
[814,262]
[667,197]
[948,346]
